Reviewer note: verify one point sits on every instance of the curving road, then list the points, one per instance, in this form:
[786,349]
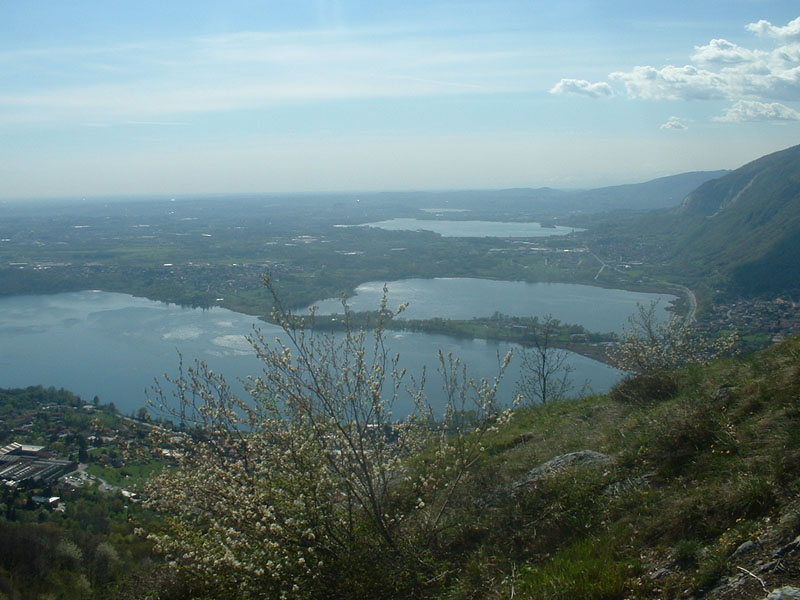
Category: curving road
[691,299]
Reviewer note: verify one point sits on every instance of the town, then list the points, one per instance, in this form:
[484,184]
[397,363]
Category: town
[55,445]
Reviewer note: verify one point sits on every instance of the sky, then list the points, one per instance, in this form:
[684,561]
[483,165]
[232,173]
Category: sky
[184,97]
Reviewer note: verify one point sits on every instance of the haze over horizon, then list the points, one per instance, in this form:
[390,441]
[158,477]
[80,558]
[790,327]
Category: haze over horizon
[262,97]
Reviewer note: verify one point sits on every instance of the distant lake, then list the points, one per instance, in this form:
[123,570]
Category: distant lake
[597,309]
[445,210]
[115,345]
[473,228]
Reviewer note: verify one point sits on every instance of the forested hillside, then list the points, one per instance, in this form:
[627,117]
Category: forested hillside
[738,234]
[748,225]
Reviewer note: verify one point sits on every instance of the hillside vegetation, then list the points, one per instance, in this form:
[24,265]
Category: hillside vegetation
[757,207]
[695,475]
[676,484]
[740,232]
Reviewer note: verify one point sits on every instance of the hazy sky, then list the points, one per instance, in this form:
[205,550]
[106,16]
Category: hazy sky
[143,97]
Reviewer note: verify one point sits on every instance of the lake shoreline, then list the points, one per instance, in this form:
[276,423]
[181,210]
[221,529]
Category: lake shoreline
[121,345]
[592,351]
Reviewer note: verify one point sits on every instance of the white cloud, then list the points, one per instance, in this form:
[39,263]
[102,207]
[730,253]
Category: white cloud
[673,83]
[789,32]
[748,110]
[724,70]
[725,52]
[582,87]
[775,78]
[674,123]
[756,79]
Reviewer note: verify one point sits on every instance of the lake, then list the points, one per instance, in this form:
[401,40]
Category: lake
[115,345]
[597,309]
[473,228]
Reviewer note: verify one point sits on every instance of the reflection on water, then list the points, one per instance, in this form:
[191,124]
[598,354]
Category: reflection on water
[473,228]
[597,309]
[115,345]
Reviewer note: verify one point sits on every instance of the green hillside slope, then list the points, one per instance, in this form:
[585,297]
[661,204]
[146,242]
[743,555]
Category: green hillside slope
[748,223]
[631,496]
[675,485]
[740,232]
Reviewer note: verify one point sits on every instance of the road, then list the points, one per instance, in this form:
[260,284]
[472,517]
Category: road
[691,316]
[602,264]
[691,299]
[81,475]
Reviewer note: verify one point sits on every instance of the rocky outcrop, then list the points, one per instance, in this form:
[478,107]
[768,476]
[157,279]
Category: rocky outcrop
[552,467]
[767,567]
[787,592]
[557,464]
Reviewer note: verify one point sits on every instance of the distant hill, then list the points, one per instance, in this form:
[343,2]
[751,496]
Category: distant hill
[520,203]
[745,225]
[664,192]
[770,181]
[739,232]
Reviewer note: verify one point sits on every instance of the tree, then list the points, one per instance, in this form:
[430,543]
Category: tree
[310,487]
[83,446]
[648,345]
[544,370]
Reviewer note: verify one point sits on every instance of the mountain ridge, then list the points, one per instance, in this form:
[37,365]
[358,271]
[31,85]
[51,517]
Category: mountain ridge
[737,234]
[747,223]
[717,195]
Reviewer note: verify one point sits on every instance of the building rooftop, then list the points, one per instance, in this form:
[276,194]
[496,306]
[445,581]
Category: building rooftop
[19,462]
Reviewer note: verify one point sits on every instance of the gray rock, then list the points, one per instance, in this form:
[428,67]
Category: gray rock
[659,573]
[748,546]
[560,463]
[789,518]
[767,567]
[790,547]
[787,592]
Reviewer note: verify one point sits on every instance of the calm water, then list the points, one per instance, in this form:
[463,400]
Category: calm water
[473,228]
[114,345]
[597,309]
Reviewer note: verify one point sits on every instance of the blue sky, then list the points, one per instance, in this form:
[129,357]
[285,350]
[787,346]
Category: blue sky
[126,98]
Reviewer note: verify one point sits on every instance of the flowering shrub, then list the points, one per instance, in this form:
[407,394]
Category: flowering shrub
[310,487]
[648,346]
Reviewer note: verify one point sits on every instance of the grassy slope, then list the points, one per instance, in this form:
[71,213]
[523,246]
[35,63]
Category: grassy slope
[692,477]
